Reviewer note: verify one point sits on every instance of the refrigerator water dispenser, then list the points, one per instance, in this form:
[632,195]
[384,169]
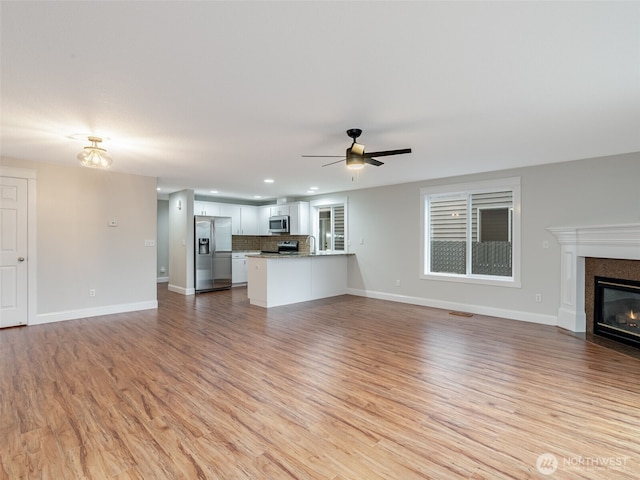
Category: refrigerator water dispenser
[203,246]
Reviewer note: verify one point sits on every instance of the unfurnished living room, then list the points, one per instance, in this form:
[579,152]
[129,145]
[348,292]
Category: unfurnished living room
[319,240]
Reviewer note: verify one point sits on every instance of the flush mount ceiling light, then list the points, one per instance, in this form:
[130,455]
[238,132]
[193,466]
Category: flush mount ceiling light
[94,156]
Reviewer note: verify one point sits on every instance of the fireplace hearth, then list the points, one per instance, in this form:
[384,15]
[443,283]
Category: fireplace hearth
[617,310]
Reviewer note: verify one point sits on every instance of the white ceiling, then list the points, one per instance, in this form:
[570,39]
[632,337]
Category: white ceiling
[221,95]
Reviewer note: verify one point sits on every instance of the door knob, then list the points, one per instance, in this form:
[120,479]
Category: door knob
[21,259]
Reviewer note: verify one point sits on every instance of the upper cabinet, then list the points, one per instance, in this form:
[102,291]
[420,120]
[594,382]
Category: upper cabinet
[244,218]
[252,220]
[276,210]
[249,220]
[233,211]
[299,218]
[263,220]
[206,208]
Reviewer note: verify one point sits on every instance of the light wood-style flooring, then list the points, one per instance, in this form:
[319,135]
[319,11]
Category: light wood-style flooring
[209,387]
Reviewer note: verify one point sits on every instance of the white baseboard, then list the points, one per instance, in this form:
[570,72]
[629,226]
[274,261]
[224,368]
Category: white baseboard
[572,320]
[162,280]
[477,309]
[93,312]
[181,290]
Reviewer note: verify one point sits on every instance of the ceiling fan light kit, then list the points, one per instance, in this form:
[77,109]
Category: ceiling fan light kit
[94,156]
[355,156]
[354,161]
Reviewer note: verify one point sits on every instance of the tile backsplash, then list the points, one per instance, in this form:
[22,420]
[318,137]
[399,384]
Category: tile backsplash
[267,242]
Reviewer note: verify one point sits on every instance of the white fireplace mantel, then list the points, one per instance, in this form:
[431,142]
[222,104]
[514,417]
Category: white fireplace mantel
[577,243]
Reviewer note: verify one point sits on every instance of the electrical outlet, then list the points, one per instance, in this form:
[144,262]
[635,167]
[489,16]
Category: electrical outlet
[92,292]
[538,298]
[397,283]
[149,243]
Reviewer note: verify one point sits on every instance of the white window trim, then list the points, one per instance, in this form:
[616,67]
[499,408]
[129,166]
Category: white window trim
[315,206]
[511,183]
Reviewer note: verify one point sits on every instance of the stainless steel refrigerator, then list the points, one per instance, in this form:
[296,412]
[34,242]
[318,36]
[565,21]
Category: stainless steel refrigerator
[212,253]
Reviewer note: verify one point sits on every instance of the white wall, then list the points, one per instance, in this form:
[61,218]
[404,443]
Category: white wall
[163,241]
[181,242]
[78,251]
[586,192]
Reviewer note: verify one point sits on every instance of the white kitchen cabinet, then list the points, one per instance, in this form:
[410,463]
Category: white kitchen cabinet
[299,218]
[239,273]
[244,218]
[233,211]
[238,268]
[249,220]
[263,220]
[276,210]
[206,208]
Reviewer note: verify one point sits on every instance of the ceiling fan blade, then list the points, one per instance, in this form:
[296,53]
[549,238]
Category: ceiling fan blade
[333,163]
[386,153]
[373,161]
[323,156]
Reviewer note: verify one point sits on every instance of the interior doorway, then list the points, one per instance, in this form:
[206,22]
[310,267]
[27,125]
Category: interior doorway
[14,272]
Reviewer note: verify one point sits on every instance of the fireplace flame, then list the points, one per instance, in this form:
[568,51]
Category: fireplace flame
[633,315]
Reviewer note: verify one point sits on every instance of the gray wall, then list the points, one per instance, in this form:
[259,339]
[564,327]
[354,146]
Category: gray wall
[586,192]
[181,242]
[163,240]
[78,251]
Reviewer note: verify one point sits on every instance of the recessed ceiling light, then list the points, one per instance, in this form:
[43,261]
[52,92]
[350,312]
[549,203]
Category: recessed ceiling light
[213,191]
[257,196]
[313,188]
[268,180]
[158,189]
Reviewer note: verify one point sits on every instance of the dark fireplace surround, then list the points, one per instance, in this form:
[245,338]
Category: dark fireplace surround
[612,291]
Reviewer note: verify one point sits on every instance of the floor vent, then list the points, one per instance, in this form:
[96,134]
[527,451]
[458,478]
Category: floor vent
[461,314]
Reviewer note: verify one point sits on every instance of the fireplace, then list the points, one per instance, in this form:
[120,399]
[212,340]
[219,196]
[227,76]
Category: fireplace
[578,244]
[617,310]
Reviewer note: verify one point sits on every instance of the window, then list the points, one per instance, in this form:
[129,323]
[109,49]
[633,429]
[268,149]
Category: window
[472,232]
[329,224]
[331,228]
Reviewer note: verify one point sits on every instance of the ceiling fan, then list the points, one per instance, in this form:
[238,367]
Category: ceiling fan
[356,157]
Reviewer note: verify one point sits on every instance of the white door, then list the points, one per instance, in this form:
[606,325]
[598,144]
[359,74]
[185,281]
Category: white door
[13,252]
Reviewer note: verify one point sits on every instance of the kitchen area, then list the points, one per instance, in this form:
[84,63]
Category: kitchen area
[268,249]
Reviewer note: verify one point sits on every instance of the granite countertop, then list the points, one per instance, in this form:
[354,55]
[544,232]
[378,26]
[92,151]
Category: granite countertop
[297,255]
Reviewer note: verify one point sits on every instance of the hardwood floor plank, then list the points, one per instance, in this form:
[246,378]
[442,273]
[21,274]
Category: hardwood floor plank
[210,387]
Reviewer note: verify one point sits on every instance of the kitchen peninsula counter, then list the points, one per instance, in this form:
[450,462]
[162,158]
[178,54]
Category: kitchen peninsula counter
[277,279]
[298,255]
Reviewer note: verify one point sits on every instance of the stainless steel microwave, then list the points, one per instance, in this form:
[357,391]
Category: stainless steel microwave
[279,224]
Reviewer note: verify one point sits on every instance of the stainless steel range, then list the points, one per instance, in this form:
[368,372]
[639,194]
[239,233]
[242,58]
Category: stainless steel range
[285,247]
